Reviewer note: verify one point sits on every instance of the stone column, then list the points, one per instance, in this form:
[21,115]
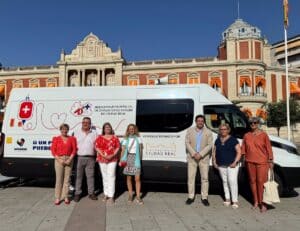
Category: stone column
[99,77]
[103,78]
[83,78]
[78,76]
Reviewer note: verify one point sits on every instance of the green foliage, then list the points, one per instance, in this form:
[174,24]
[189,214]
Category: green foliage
[277,116]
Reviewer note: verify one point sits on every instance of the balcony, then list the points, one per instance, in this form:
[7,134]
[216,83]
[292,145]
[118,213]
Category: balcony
[252,97]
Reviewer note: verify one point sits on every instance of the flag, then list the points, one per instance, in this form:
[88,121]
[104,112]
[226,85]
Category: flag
[286,13]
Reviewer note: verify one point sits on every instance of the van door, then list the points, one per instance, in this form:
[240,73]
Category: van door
[162,123]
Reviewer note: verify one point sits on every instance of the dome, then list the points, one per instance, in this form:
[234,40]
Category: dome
[241,29]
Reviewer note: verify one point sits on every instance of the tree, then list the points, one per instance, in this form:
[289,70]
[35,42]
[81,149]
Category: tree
[277,114]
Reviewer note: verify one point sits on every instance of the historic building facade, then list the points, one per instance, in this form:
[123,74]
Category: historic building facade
[245,69]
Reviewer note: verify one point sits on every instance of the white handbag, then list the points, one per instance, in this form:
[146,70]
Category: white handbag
[270,194]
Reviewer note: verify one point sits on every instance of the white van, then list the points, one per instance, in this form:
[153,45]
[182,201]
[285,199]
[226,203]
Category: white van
[163,113]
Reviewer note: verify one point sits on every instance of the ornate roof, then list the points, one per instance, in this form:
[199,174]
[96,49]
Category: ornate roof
[241,29]
[92,49]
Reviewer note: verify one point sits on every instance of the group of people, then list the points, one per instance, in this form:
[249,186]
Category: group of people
[106,149]
[226,155]
[90,147]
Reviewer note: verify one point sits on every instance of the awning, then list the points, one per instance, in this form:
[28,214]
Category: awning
[294,89]
[261,113]
[51,85]
[2,90]
[215,81]
[245,79]
[260,80]
[247,112]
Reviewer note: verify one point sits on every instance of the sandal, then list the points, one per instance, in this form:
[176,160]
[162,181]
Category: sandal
[110,201]
[235,205]
[130,198]
[57,202]
[67,201]
[104,199]
[263,209]
[139,201]
[226,203]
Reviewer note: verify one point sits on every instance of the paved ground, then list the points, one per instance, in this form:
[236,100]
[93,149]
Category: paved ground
[31,208]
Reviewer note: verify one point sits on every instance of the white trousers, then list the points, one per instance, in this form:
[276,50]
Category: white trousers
[230,182]
[108,172]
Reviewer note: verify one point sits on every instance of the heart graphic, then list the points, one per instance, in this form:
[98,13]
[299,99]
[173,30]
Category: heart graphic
[58,119]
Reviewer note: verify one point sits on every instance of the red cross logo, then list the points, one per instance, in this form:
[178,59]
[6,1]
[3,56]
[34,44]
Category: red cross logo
[25,110]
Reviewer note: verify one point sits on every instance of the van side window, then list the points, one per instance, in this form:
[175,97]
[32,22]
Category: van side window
[164,115]
[216,115]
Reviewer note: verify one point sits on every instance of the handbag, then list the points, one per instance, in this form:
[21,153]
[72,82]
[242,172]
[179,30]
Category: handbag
[123,163]
[270,194]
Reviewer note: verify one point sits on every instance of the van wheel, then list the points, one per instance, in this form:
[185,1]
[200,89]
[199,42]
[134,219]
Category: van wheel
[280,184]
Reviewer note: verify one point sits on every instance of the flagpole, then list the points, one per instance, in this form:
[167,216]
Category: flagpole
[287,86]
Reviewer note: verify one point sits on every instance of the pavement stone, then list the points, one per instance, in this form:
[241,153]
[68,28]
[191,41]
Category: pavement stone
[32,208]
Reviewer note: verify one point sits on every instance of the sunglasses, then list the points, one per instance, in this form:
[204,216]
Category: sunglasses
[253,123]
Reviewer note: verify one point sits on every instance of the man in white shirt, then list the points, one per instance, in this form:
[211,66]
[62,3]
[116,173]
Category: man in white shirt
[85,158]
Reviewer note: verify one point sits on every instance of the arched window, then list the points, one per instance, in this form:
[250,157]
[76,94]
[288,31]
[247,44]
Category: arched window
[17,84]
[215,80]
[33,83]
[173,79]
[91,79]
[193,78]
[260,85]
[151,79]
[133,80]
[245,85]
[111,79]
[2,94]
[216,83]
[51,82]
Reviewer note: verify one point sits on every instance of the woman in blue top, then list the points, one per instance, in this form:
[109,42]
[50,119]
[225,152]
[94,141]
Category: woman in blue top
[132,155]
[226,155]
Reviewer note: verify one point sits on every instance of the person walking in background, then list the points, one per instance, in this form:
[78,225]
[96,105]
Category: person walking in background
[86,154]
[226,155]
[63,149]
[258,158]
[132,154]
[107,146]
[198,141]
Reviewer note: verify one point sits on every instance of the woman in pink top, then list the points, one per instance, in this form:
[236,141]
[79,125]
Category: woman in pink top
[107,146]
[259,158]
[63,149]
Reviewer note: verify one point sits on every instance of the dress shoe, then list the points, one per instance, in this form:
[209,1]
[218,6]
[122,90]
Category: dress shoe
[205,202]
[76,198]
[190,201]
[93,197]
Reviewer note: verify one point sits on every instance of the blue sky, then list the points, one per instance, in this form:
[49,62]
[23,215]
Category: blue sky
[33,32]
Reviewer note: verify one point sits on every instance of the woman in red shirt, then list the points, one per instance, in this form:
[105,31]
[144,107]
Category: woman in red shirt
[63,149]
[259,158]
[107,146]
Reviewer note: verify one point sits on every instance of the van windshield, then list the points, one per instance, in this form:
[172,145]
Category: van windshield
[215,115]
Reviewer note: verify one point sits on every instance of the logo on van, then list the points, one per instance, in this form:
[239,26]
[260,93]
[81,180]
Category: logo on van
[81,109]
[21,142]
[25,109]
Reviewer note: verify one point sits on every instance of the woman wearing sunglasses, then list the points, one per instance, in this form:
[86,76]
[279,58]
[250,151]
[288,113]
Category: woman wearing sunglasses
[259,158]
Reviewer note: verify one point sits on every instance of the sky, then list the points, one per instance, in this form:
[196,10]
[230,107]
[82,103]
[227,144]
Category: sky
[33,32]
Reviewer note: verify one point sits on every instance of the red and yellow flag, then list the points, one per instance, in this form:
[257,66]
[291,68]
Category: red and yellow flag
[286,13]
